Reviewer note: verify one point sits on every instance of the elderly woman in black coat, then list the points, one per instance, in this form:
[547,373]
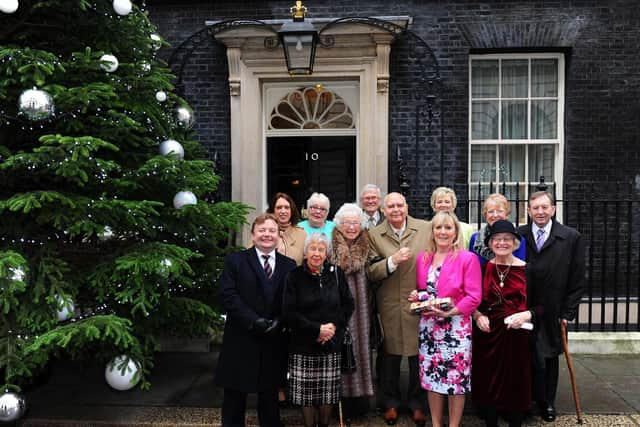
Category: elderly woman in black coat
[316,307]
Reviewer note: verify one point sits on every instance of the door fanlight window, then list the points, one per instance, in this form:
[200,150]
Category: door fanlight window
[311,108]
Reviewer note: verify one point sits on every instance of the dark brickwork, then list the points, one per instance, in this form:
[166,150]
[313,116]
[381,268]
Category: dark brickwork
[602,78]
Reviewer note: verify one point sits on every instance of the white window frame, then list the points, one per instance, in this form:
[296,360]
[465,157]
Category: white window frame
[558,143]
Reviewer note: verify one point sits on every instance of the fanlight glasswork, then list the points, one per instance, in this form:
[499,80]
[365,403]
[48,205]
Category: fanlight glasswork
[311,108]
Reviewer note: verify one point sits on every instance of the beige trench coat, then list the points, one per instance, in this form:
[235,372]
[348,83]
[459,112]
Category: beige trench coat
[400,326]
[292,243]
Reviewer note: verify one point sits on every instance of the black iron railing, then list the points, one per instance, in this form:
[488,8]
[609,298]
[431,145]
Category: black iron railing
[608,216]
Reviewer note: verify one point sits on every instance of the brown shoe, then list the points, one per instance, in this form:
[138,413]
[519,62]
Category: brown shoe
[419,417]
[390,416]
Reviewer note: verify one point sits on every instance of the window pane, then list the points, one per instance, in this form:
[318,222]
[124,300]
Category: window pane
[483,163]
[484,79]
[544,119]
[514,119]
[544,77]
[541,162]
[514,78]
[511,162]
[484,120]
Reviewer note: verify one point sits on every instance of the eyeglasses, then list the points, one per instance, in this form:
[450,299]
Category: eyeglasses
[502,239]
[496,211]
[351,224]
[317,208]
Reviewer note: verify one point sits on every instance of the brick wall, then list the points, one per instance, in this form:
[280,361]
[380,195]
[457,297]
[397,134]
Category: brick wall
[602,81]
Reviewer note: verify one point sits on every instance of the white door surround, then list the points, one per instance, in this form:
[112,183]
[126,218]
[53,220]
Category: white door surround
[360,54]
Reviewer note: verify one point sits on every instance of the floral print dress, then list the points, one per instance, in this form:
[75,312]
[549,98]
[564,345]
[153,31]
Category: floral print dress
[445,348]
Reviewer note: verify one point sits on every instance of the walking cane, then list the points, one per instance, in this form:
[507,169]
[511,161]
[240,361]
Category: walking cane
[340,412]
[567,355]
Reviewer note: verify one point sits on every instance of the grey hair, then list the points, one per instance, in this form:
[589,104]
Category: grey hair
[320,198]
[317,237]
[371,187]
[346,210]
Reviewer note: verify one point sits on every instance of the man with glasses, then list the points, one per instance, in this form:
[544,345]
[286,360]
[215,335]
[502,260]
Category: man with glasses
[370,199]
[317,211]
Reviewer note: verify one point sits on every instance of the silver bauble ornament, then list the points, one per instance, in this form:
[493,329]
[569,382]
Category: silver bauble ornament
[16,274]
[64,308]
[185,117]
[165,265]
[171,146]
[36,104]
[111,63]
[161,96]
[145,66]
[122,7]
[116,378]
[12,405]
[105,234]
[184,198]
[156,41]
[8,6]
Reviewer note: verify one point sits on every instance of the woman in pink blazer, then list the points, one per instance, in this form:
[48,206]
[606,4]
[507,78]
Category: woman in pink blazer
[446,270]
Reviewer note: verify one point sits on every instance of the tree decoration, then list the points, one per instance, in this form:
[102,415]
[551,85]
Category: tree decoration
[64,308]
[16,274]
[185,117]
[161,96]
[110,63]
[171,146]
[122,7]
[12,406]
[8,6]
[156,41]
[105,234]
[145,66]
[35,104]
[183,198]
[121,373]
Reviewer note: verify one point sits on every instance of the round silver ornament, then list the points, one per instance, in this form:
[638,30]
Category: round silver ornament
[36,104]
[111,63]
[105,234]
[145,66]
[161,96]
[185,117]
[122,7]
[165,265]
[118,379]
[16,274]
[171,146]
[156,41]
[64,308]
[183,198]
[8,6]
[12,406]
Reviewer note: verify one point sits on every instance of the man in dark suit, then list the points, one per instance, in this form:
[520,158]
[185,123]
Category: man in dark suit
[251,358]
[556,263]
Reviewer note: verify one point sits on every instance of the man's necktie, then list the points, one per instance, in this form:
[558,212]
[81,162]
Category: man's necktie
[267,266]
[540,239]
[371,223]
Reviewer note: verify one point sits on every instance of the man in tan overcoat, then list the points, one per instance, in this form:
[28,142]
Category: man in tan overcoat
[393,246]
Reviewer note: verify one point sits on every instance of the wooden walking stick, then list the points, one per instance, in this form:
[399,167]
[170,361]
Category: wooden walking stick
[340,413]
[567,355]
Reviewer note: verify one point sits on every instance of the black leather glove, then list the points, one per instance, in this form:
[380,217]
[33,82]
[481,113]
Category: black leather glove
[273,328]
[260,326]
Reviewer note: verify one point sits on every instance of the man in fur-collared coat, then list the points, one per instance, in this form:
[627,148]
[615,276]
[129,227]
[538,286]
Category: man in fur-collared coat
[393,246]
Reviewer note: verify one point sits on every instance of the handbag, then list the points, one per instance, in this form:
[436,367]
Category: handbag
[347,356]
[376,332]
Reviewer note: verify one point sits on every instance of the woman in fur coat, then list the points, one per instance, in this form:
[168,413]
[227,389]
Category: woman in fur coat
[350,243]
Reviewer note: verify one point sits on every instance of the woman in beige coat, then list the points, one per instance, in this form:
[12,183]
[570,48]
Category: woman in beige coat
[291,236]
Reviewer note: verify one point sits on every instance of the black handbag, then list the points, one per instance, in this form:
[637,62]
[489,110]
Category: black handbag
[376,332]
[348,357]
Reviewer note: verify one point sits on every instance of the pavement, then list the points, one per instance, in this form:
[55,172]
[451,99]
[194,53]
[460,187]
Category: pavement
[183,394]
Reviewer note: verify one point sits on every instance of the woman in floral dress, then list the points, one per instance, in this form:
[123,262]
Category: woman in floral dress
[446,270]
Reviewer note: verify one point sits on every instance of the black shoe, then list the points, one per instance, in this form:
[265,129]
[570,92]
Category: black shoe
[549,414]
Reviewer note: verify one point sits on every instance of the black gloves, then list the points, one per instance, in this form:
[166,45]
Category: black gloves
[262,326]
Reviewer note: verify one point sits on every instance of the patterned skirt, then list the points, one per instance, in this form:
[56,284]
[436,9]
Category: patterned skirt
[314,379]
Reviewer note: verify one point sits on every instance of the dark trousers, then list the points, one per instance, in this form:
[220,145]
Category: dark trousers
[234,405]
[545,380]
[390,383]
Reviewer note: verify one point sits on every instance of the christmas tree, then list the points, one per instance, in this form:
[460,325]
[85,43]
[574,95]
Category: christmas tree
[109,237]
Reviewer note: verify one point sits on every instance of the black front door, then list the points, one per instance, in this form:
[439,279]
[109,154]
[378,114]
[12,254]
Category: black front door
[300,166]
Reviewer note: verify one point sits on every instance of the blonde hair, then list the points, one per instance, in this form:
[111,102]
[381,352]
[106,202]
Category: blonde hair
[441,192]
[438,219]
[497,199]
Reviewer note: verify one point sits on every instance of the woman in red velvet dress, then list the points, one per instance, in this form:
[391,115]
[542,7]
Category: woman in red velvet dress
[501,368]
